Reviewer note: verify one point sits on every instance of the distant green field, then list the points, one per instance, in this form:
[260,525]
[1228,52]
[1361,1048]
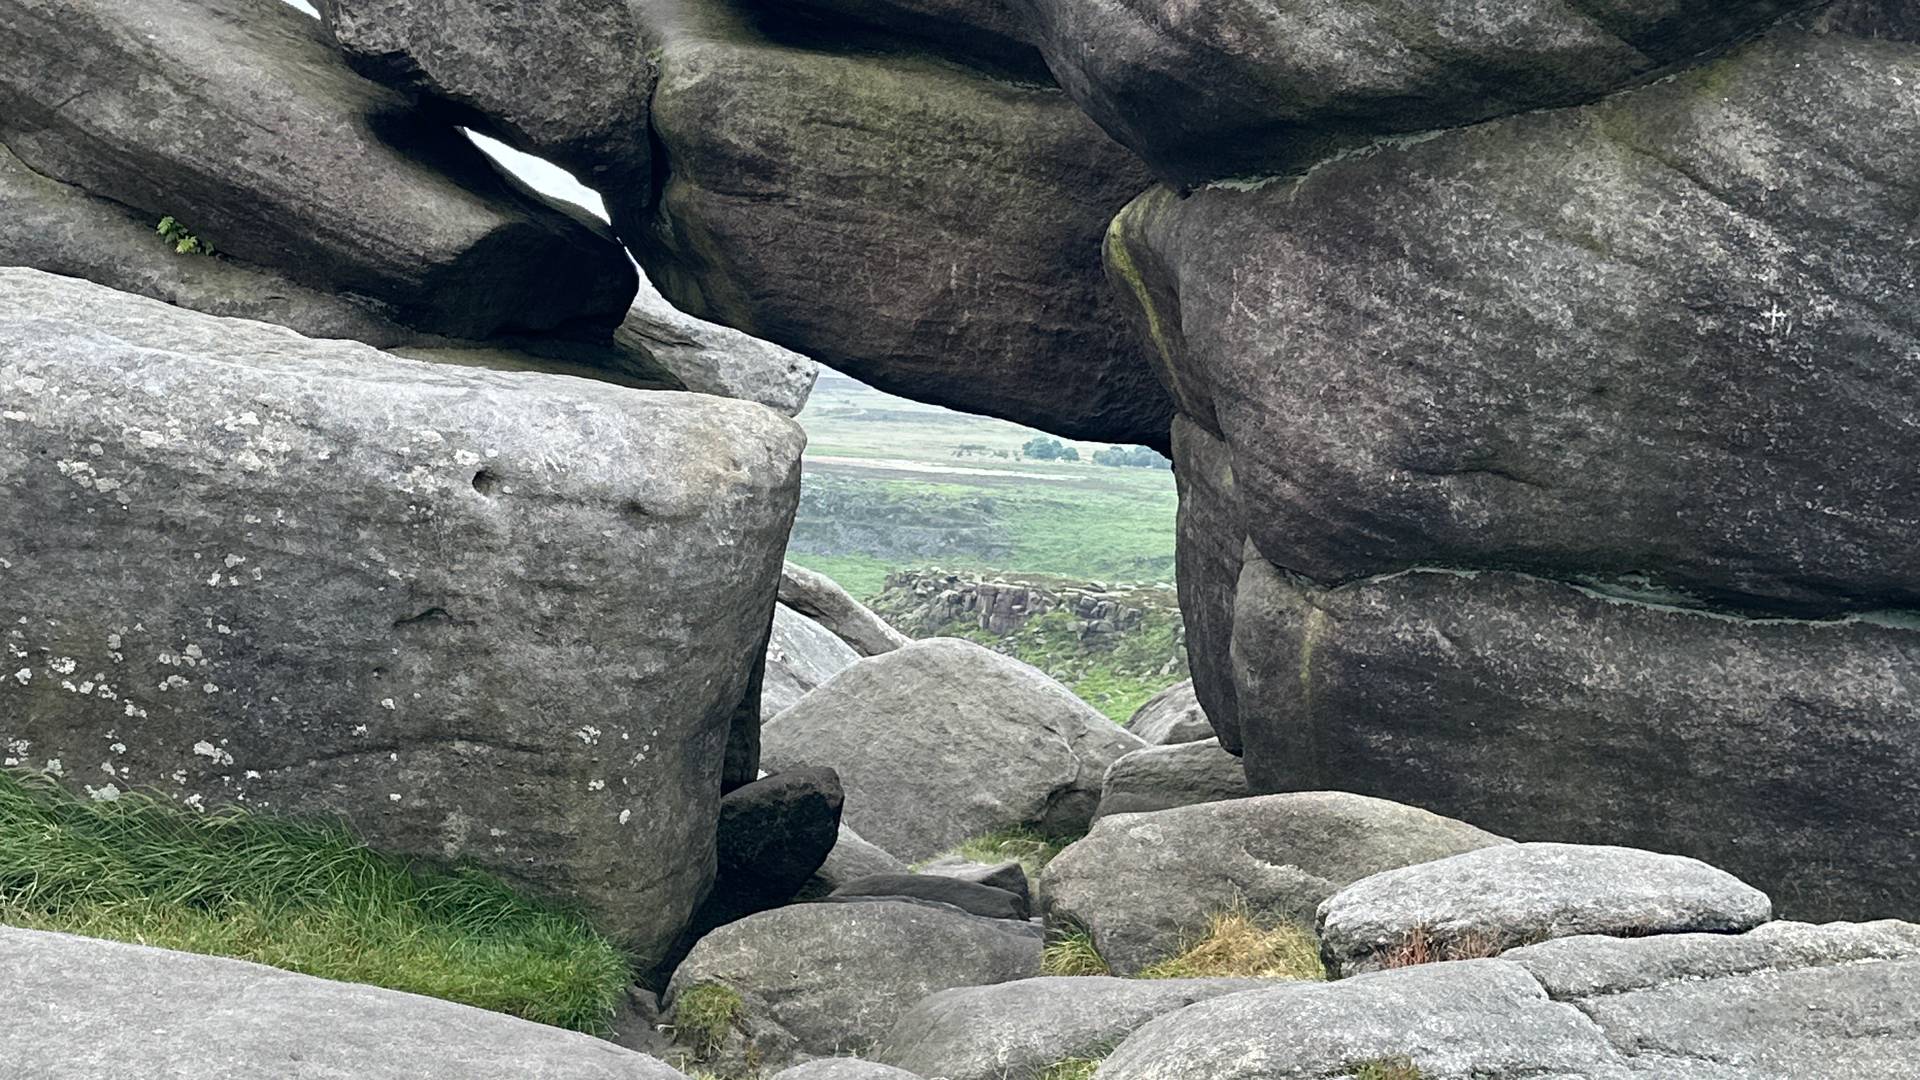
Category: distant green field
[893,484]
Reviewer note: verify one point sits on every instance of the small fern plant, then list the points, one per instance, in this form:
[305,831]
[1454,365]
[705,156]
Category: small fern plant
[184,242]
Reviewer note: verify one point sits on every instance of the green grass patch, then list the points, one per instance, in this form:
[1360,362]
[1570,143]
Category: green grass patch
[1072,1069]
[1238,946]
[863,576]
[1025,846]
[1073,953]
[1116,681]
[1387,1069]
[305,897]
[704,1015]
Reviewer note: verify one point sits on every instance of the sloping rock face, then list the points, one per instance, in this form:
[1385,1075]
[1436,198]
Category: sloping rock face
[821,599]
[1144,885]
[1631,382]
[802,656]
[1171,716]
[818,980]
[1263,87]
[1788,1001]
[986,33]
[713,359]
[1517,894]
[81,1007]
[237,118]
[943,740]
[1017,1030]
[500,617]
[1163,777]
[926,226]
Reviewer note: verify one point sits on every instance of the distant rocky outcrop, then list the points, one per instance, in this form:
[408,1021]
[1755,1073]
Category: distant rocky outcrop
[505,618]
[932,602]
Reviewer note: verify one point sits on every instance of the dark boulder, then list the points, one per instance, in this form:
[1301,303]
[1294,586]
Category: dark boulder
[971,897]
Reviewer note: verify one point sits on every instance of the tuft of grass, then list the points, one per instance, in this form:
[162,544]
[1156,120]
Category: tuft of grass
[1073,953]
[1026,846]
[1421,946]
[1071,1069]
[1387,1069]
[184,242]
[1236,945]
[704,1015]
[303,896]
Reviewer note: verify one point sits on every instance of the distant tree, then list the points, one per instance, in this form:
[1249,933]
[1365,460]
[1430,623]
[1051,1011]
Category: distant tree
[1042,448]
[1068,453]
[1134,457]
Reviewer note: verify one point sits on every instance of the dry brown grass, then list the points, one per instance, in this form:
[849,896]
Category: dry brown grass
[1237,945]
[1421,946]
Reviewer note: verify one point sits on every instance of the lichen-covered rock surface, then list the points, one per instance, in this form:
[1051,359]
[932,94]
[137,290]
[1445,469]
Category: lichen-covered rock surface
[506,618]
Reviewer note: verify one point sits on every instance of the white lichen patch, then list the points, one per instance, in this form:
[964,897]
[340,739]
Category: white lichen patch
[626,816]
[103,793]
[206,749]
[23,676]
[589,735]
[596,785]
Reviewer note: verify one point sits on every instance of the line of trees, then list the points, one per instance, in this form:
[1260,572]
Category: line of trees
[1045,448]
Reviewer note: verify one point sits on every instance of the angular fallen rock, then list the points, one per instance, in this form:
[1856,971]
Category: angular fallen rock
[81,1007]
[1163,777]
[802,656]
[714,359]
[943,740]
[821,599]
[972,897]
[1518,894]
[1171,716]
[1017,1030]
[499,617]
[817,980]
[1145,885]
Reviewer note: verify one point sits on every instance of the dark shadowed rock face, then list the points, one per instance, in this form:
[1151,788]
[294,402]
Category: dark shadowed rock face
[237,118]
[1261,87]
[499,617]
[100,1008]
[981,32]
[916,223]
[987,901]
[567,80]
[1665,342]
[1786,752]
[1209,543]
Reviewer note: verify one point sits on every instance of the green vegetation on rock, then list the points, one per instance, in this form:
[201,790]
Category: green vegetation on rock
[1387,1069]
[305,897]
[1073,953]
[1025,846]
[704,1015]
[184,242]
[1072,1069]
[1237,945]
[1117,680]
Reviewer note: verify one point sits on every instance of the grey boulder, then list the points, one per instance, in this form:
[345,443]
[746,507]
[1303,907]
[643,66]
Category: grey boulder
[1017,1030]
[140,103]
[714,359]
[507,618]
[843,1069]
[1145,885]
[985,33]
[852,857]
[1239,88]
[81,1007]
[944,740]
[1163,777]
[1519,894]
[928,228]
[1010,875]
[816,980]
[821,599]
[972,897]
[773,835]
[802,655]
[1173,715]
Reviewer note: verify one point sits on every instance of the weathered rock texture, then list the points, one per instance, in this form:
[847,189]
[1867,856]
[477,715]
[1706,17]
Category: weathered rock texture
[1786,1002]
[853,857]
[1591,424]
[81,1007]
[713,359]
[1017,1030]
[802,656]
[1171,716]
[566,80]
[1518,894]
[1145,885]
[816,980]
[924,225]
[499,617]
[1163,777]
[943,740]
[1264,87]
[237,118]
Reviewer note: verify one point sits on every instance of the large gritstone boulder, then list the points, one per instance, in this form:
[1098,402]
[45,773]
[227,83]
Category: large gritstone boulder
[1518,894]
[929,227]
[1144,886]
[80,1007]
[1262,87]
[1171,716]
[505,618]
[1594,425]
[817,980]
[943,740]
[237,119]
[1163,777]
